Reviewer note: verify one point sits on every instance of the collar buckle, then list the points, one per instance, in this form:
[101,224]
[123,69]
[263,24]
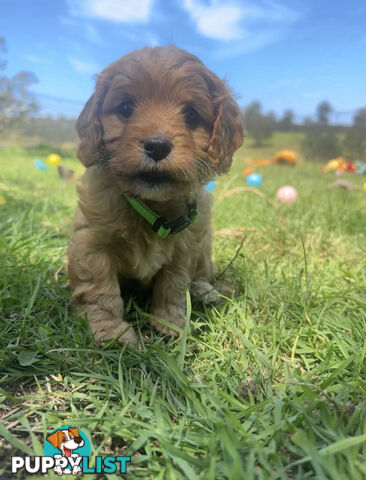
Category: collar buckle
[160,225]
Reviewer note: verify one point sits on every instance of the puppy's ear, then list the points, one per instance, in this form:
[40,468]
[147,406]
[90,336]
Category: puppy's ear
[90,131]
[74,431]
[55,438]
[227,133]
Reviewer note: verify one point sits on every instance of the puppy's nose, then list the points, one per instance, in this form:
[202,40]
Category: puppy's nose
[157,148]
[78,439]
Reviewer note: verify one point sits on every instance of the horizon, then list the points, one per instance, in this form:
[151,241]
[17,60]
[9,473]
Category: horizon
[283,54]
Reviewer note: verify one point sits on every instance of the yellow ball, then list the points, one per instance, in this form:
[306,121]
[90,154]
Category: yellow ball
[364,187]
[331,166]
[53,159]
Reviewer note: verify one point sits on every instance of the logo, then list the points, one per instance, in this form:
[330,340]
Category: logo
[67,452]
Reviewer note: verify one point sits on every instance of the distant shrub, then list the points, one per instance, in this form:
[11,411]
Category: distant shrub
[44,149]
[355,140]
[259,126]
[51,130]
[320,144]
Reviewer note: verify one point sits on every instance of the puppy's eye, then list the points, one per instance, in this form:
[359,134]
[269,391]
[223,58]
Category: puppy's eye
[126,108]
[191,116]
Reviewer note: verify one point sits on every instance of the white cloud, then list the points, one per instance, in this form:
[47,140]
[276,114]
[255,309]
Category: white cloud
[35,59]
[81,66]
[65,20]
[254,24]
[140,38]
[220,22]
[152,40]
[270,12]
[250,43]
[93,35]
[119,11]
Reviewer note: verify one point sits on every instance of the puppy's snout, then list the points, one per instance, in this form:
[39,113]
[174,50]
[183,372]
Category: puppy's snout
[78,440]
[157,148]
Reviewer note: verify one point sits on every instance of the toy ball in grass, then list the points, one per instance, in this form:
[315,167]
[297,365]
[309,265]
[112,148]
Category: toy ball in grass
[40,165]
[360,167]
[338,163]
[331,166]
[350,167]
[285,157]
[247,172]
[53,159]
[364,187]
[286,194]
[254,179]
[211,185]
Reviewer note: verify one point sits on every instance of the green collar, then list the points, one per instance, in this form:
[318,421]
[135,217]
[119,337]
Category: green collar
[159,224]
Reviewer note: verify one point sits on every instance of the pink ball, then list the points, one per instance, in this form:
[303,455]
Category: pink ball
[286,194]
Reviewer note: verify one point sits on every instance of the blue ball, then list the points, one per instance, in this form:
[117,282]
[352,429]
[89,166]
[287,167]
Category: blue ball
[254,179]
[211,185]
[40,165]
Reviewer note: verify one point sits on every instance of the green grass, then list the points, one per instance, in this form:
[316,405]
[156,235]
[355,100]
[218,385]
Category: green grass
[271,384]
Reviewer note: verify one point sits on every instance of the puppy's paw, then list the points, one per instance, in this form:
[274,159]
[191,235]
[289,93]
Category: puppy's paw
[163,329]
[204,291]
[172,314]
[108,331]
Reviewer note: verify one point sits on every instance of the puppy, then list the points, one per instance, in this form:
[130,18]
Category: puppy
[157,128]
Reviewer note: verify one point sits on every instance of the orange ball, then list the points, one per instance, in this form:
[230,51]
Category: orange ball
[248,171]
[285,157]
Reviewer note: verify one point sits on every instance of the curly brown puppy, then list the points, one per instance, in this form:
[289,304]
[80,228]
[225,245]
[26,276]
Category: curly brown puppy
[158,127]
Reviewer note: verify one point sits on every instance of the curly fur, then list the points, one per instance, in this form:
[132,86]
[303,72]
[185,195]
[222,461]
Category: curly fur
[111,244]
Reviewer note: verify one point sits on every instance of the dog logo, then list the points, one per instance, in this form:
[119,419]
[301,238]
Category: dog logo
[66,440]
[67,445]
[67,452]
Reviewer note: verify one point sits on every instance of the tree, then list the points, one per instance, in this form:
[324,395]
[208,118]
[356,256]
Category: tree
[16,101]
[51,130]
[323,110]
[355,140]
[320,145]
[320,142]
[287,121]
[2,51]
[258,125]
[360,117]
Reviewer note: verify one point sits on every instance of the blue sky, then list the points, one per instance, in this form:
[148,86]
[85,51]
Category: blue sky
[286,54]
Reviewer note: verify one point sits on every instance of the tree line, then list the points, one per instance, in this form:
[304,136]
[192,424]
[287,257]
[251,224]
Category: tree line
[322,140]
[19,108]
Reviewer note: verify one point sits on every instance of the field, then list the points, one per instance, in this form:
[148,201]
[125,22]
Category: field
[270,384]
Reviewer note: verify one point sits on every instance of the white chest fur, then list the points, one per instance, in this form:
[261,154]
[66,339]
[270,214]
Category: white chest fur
[149,260]
[143,257]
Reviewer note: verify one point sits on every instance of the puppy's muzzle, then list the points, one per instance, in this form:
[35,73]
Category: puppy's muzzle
[157,148]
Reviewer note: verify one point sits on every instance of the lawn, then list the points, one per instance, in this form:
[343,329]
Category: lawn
[270,384]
